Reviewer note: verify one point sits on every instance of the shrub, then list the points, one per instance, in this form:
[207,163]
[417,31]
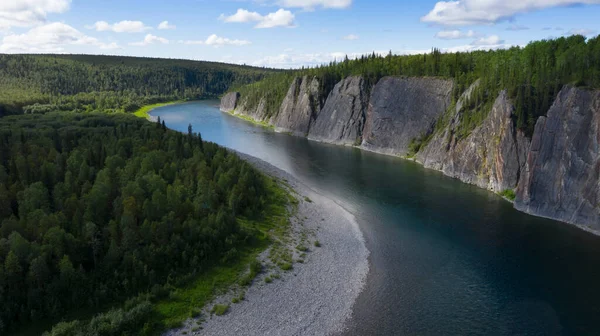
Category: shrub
[219,309]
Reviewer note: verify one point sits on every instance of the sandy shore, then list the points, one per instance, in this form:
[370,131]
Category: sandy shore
[315,297]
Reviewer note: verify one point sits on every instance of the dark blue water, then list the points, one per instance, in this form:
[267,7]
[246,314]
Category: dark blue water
[446,258]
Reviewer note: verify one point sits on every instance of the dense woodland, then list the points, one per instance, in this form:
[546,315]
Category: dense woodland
[96,208]
[45,83]
[532,75]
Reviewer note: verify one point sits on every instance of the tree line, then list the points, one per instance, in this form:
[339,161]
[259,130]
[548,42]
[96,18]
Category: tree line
[532,75]
[97,208]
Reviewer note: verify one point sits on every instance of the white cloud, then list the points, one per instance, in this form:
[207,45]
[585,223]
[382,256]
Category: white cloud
[473,12]
[150,39]
[455,34]
[27,13]
[351,37]
[217,41]
[584,32]
[50,38]
[312,4]
[517,27]
[280,18]
[491,40]
[165,26]
[120,27]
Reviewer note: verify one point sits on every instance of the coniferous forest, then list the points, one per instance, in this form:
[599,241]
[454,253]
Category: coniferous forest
[45,83]
[97,208]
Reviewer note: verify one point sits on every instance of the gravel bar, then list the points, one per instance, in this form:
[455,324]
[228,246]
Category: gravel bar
[315,297]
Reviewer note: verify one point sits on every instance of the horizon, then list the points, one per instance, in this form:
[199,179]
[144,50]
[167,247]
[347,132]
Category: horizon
[285,34]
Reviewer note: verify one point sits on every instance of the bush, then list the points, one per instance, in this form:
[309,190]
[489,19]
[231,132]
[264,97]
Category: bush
[508,194]
[219,309]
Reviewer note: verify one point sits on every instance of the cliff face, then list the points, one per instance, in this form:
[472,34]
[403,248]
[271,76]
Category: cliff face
[562,174]
[229,102]
[342,118]
[491,157]
[299,108]
[556,174]
[402,109]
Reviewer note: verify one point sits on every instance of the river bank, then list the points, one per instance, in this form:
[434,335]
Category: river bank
[315,296]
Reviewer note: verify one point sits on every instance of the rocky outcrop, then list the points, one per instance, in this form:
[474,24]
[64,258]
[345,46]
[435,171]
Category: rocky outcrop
[492,156]
[300,107]
[562,174]
[229,102]
[403,109]
[342,118]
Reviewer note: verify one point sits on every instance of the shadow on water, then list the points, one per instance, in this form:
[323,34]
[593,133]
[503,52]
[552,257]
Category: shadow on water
[446,258]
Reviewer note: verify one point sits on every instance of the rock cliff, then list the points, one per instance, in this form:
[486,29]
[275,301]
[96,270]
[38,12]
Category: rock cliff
[229,102]
[300,107]
[402,109]
[342,118]
[562,173]
[491,156]
[556,174]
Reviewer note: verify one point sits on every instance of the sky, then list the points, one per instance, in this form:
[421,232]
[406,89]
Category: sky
[284,33]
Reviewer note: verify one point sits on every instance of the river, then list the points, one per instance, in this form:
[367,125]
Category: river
[446,258]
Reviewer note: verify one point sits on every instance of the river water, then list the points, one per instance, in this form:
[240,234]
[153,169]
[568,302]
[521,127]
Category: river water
[446,258]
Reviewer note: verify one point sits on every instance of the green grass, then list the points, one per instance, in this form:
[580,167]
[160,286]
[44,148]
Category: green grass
[251,120]
[219,309]
[317,243]
[509,194]
[144,111]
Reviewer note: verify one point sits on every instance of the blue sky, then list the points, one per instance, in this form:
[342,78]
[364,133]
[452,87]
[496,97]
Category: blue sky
[284,33]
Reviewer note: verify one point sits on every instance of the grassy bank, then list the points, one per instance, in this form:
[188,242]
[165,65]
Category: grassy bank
[188,301]
[251,120]
[144,111]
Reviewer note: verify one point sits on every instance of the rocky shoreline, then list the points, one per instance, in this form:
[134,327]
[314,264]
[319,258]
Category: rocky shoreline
[317,295]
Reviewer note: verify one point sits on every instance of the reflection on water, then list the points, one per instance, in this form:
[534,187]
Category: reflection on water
[446,258]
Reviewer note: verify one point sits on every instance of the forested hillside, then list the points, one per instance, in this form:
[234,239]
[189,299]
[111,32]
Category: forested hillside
[44,83]
[95,209]
[532,75]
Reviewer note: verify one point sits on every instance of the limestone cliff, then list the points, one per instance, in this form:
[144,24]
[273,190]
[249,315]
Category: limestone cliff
[562,173]
[491,156]
[300,107]
[402,109]
[342,118]
[229,102]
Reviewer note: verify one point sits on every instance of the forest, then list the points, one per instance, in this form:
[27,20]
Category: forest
[98,208]
[532,75]
[46,83]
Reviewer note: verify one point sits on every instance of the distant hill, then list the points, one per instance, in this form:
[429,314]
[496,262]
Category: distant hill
[87,82]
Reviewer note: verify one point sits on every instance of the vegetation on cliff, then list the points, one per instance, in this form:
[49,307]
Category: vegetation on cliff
[532,75]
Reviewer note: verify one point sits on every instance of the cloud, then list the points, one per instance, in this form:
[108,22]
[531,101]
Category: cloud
[477,12]
[50,38]
[516,27]
[455,34]
[312,4]
[280,18]
[351,37]
[120,27]
[214,40]
[165,26]
[491,40]
[584,32]
[28,13]
[150,39]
